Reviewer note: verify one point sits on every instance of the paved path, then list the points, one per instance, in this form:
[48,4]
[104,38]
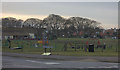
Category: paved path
[20,62]
[70,58]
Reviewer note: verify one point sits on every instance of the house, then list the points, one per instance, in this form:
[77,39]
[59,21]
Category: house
[17,33]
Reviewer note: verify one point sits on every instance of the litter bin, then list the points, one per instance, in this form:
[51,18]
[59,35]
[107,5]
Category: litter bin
[91,47]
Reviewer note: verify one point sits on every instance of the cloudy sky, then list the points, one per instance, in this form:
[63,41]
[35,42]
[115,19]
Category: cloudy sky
[104,12]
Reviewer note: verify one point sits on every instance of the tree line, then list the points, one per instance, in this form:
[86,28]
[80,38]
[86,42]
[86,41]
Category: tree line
[57,26]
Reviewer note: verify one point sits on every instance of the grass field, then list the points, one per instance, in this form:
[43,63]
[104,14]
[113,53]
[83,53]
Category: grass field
[58,47]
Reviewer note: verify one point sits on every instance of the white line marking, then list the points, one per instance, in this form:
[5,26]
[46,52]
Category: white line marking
[52,63]
[34,61]
[114,66]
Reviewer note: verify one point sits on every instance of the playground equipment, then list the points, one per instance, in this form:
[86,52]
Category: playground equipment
[42,41]
[89,45]
[45,44]
[17,48]
[73,45]
[8,43]
[98,43]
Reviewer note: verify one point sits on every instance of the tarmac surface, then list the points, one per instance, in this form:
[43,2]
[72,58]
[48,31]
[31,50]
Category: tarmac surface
[19,62]
[70,58]
[16,60]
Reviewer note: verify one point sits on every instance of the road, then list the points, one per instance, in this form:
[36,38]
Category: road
[20,62]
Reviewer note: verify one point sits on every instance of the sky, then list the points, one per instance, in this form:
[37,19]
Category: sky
[104,12]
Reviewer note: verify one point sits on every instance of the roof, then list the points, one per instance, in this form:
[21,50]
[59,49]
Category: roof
[16,33]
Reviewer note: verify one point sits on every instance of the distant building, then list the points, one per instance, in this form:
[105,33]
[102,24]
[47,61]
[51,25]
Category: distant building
[17,33]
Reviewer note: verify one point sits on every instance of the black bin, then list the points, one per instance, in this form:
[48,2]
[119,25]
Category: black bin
[91,48]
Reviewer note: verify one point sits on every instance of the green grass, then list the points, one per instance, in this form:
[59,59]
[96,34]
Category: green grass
[58,47]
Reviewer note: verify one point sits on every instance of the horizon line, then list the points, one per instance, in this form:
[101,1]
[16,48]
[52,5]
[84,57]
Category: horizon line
[41,17]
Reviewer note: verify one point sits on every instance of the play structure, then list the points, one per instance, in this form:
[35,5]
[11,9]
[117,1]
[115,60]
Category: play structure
[45,45]
[41,43]
[8,43]
[89,45]
[73,45]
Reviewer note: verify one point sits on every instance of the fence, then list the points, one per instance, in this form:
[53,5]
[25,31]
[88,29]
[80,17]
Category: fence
[60,44]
